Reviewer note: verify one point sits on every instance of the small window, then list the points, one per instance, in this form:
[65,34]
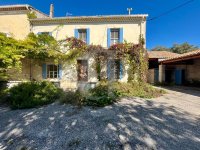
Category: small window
[114,69]
[82,35]
[52,71]
[114,36]
[82,70]
[45,33]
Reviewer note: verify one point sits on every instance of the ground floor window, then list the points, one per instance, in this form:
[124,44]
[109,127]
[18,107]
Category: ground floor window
[114,69]
[82,70]
[52,71]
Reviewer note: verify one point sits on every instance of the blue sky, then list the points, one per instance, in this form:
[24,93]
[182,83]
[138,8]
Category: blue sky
[182,25]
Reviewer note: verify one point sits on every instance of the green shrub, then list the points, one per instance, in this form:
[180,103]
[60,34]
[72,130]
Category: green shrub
[107,93]
[3,92]
[72,97]
[136,89]
[4,96]
[33,94]
[101,95]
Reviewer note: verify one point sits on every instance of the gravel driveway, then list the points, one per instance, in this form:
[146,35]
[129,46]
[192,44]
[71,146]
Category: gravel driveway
[169,122]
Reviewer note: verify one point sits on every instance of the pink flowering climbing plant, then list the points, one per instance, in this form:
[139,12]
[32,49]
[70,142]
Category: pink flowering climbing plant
[133,54]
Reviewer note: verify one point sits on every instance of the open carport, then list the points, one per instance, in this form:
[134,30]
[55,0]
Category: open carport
[183,69]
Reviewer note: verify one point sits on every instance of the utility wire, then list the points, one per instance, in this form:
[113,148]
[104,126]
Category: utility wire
[171,10]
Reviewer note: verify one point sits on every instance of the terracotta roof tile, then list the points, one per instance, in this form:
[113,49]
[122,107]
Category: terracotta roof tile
[184,56]
[19,7]
[161,54]
[86,19]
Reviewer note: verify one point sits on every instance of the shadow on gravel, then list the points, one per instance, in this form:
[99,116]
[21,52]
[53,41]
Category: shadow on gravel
[195,91]
[130,124]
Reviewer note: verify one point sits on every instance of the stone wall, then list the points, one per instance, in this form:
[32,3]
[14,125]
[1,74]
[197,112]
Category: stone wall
[69,78]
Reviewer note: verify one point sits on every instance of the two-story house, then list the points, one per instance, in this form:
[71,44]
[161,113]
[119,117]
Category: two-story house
[98,30]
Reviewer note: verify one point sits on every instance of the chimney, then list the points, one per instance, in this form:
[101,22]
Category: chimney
[51,15]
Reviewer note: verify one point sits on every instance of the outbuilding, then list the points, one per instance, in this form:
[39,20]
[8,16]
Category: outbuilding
[154,58]
[182,69]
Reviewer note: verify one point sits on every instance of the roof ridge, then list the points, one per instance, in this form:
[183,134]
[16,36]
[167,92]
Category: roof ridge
[20,5]
[27,6]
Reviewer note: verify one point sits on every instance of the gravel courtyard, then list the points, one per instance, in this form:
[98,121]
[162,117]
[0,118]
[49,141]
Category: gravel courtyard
[168,122]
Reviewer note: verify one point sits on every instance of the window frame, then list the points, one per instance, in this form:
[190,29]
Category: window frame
[48,73]
[114,40]
[79,79]
[46,32]
[115,68]
[82,31]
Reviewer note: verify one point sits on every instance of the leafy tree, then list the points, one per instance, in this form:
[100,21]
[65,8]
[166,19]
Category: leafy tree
[40,47]
[10,55]
[183,48]
[177,48]
[160,48]
[34,47]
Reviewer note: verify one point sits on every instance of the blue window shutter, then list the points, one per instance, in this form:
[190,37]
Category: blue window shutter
[121,70]
[60,71]
[88,36]
[76,33]
[109,69]
[121,35]
[44,71]
[108,37]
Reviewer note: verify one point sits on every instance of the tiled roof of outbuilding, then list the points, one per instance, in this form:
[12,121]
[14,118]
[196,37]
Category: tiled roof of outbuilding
[161,54]
[185,56]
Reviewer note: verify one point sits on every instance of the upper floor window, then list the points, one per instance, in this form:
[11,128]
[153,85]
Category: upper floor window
[115,34]
[52,71]
[82,35]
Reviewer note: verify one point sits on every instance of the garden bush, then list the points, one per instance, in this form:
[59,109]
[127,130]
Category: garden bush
[33,94]
[3,92]
[106,93]
[101,95]
[137,89]
[72,97]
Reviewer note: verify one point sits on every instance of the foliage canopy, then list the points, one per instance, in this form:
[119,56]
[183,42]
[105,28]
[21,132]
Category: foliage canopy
[44,46]
[12,51]
[177,48]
